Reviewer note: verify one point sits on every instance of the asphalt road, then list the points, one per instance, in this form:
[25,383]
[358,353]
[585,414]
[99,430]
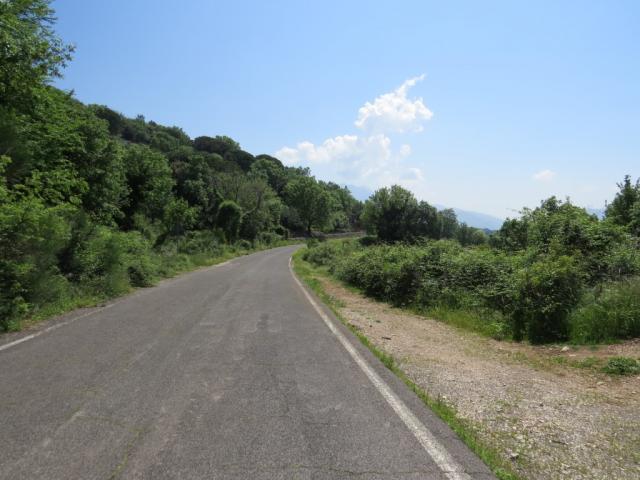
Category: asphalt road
[225,373]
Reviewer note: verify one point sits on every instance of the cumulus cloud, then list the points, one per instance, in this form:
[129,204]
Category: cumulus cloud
[394,111]
[364,161]
[544,176]
[367,160]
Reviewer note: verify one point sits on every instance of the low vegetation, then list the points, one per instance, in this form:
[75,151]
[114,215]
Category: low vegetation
[556,273]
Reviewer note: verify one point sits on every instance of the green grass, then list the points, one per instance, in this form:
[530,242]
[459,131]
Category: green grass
[622,366]
[463,428]
[171,266]
[487,323]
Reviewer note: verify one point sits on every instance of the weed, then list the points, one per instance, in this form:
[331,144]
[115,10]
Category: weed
[622,366]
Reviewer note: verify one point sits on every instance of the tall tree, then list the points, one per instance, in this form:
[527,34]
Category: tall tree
[391,213]
[30,51]
[310,200]
[620,210]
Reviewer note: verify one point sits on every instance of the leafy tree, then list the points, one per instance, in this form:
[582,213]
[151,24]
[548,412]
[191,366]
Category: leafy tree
[195,175]
[179,217]
[273,170]
[448,223]
[467,235]
[229,219]
[220,144]
[512,235]
[346,210]
[391,213]
[150,183]
[241,158]
[623,209]
[428,222]
[310,200]
[30,51]
[115,120]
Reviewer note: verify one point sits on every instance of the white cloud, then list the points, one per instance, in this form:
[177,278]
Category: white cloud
[363,161]
[367,160]
[544,176]
[394,112]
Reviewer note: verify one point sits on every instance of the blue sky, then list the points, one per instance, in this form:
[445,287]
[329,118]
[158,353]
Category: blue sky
[488,106]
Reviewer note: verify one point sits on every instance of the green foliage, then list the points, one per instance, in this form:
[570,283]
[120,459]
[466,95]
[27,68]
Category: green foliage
[571,281]
[394,215]
[608,312]
[325,253]
[494,292]
[30,51]
[623,209]
[272,170]
[622,366]
[149,183]
[310,200]
[390,213]
[546,292]
[220,145]
[179,217]
[229,219]
[110,262]
[31,237]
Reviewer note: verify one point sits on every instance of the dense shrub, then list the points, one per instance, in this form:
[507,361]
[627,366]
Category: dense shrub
[229,219]
[546,292]
[324,253]
[608,312]
[111,261]
[31,238]
[533,274]
[522,295]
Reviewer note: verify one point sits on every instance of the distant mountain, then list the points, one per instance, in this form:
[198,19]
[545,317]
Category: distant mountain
[476,219]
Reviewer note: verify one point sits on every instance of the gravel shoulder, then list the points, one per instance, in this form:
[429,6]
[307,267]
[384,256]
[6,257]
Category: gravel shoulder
[550,418]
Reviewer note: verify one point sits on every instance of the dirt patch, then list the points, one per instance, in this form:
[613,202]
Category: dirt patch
[550,418]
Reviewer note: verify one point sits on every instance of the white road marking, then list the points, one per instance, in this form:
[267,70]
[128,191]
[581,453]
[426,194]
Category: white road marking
[442,458]
[62,324]
[52,327]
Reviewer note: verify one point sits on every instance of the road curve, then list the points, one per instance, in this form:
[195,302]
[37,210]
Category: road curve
[225,373]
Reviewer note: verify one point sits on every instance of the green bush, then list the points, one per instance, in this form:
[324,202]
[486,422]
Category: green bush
[32,236]
[243,245]
[326,253]
[268,238]
[608,312]
[229,219]
[622,366]
[546,292]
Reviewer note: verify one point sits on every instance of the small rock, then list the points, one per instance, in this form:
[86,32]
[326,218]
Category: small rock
[513,455]
[600,383]
[565,349]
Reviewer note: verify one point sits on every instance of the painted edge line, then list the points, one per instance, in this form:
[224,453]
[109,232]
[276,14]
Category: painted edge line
[438,453]
[52,327]
[116,300]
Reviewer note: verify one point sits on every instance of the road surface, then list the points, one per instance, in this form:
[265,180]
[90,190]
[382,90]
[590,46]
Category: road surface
[229,372]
